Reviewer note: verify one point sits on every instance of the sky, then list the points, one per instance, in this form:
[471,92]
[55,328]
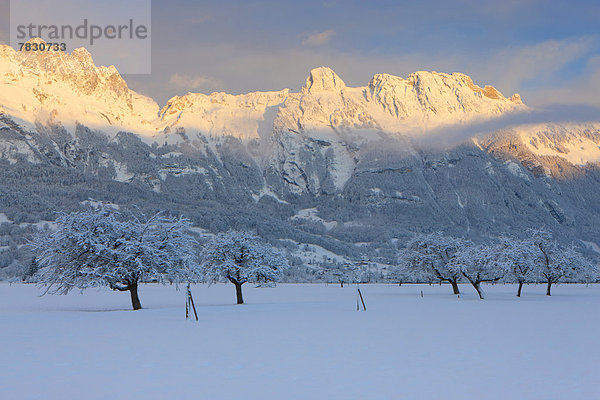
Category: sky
[548,51]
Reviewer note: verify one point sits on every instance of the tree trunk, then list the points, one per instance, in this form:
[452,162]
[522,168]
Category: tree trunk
[520,288]
[477,286]
[238,293]
[135,300]
[455,286]
[548,288]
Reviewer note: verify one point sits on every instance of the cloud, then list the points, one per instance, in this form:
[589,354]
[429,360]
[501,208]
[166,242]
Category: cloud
[513,67]
[556,113]
[251,46]
[510,69]
[319,39]
[583,90]
[194,82]
[531,70]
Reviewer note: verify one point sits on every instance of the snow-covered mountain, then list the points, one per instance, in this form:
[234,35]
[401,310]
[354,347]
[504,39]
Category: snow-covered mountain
[54,87]
[562,151]
[67,88]
[70,131]
[387,103]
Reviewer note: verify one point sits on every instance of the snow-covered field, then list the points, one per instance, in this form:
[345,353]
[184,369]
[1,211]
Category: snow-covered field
[302,342]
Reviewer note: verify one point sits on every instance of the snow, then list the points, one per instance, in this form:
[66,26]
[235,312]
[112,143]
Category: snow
[341,166]
[592,246]
[172,154]
[219,114]
[15,150]
[202,232]
[40,225]
[310,214]
[98,203]
[123,174]
[313,255]
[577,143]
[352,224]
[302,342]
[460,203]
[489,168]
[476,143]
[4,218]
[181,171]
[517,170]
[267,191]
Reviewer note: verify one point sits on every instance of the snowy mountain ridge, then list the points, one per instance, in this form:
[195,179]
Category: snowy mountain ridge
[67,88]
[387,103]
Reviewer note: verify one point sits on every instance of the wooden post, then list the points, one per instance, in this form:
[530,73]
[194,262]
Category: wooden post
[192,302]
[361,299]
[189,301]
[187,304]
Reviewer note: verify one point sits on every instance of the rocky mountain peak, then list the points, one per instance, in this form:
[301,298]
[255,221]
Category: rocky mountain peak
[516,98]
[68,88]
[324,79]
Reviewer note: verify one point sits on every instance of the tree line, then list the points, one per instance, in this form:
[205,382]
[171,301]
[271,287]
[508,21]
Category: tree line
[537,258]
[104,246]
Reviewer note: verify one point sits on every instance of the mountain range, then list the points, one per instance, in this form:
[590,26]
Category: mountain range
[329,171]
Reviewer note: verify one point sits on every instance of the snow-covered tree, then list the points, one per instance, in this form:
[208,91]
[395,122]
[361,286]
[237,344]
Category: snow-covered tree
[519,256]
[429,257]
[555,263]
[478,263]
[103,247]
[241,257]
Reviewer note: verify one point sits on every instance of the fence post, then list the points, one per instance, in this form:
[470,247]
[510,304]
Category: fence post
[361,299]
[189,300]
